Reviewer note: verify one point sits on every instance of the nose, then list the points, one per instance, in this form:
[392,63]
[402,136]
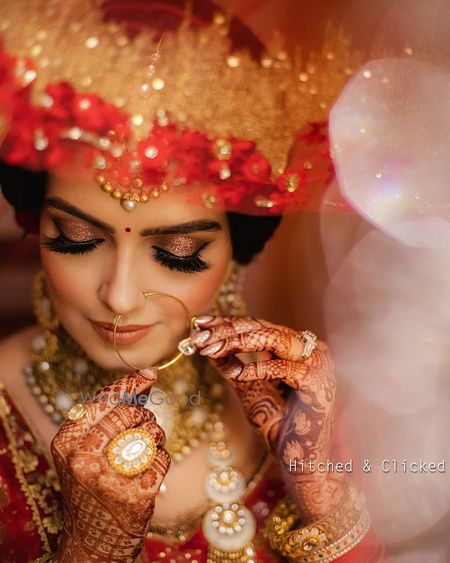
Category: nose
[120,288]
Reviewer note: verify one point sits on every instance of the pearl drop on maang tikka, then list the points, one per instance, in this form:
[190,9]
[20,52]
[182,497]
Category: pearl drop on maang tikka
[128,204]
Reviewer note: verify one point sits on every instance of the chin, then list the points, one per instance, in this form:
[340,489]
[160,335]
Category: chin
[111,362]
[141,357]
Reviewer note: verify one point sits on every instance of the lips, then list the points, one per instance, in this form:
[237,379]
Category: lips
[127,334]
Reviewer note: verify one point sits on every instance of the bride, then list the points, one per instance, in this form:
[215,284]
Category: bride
[147,415]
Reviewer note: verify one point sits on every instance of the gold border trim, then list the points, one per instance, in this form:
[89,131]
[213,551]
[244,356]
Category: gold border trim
[35,514]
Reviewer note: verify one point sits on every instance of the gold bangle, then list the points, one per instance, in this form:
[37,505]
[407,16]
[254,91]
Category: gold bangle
[322,541]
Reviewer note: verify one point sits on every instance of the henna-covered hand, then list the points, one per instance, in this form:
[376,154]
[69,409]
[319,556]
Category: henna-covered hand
[106,514]
[295,418]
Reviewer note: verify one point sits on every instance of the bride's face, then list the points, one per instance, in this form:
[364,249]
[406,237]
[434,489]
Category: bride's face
[99,260]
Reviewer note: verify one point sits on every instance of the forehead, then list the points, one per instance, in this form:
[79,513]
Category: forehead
[177,205]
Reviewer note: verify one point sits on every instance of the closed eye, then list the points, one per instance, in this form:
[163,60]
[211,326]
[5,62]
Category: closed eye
[189,264]
[64,245]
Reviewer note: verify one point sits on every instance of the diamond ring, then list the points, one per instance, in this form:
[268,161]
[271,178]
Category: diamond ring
[309,340]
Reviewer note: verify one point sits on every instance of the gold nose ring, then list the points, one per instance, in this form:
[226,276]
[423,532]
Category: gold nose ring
[172,360]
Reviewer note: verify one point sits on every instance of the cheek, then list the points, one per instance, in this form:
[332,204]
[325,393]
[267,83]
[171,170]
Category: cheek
[204,290]
[70,288]
[199,291]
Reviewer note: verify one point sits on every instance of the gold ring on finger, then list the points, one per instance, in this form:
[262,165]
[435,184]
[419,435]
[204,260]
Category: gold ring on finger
[132,451]
[76,413]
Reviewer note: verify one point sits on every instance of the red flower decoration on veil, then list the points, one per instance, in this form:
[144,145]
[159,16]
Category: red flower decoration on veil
[235,175]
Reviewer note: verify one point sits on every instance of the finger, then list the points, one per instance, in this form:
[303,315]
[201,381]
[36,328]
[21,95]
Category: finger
[262,400]
[315,372]
[239,322]
[225,335]
[224,326]
[122,418]
[230,367]
[119,391]
[283,342]
[156,431]
[152,477]
[210,321]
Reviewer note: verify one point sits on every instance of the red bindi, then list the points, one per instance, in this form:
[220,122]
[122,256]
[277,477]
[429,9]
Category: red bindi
[127,230]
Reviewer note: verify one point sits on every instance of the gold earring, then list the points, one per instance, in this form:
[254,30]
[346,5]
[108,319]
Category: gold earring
[42,306]
[229,300]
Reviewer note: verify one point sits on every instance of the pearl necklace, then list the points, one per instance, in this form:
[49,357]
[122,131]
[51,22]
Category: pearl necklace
[228,526]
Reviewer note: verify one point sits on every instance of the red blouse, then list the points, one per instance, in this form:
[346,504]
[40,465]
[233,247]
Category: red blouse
[31,516]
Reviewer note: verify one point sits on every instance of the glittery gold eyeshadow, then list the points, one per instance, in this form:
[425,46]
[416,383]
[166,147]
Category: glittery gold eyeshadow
[181,253]
[181,245]
[75,230]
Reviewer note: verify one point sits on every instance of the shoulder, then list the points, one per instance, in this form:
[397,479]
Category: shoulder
[14,354]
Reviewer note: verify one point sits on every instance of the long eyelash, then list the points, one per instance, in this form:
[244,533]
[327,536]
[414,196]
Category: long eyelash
[64,245]
[188,264]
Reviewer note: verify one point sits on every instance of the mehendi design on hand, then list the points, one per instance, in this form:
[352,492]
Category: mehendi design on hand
[294,427]
[106,514]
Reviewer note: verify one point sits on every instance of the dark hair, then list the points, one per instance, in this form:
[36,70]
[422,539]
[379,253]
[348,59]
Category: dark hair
[249,234]
[24,190]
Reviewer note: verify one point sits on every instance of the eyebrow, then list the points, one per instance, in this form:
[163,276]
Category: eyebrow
[62,205]
[180,229]
[183,228]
